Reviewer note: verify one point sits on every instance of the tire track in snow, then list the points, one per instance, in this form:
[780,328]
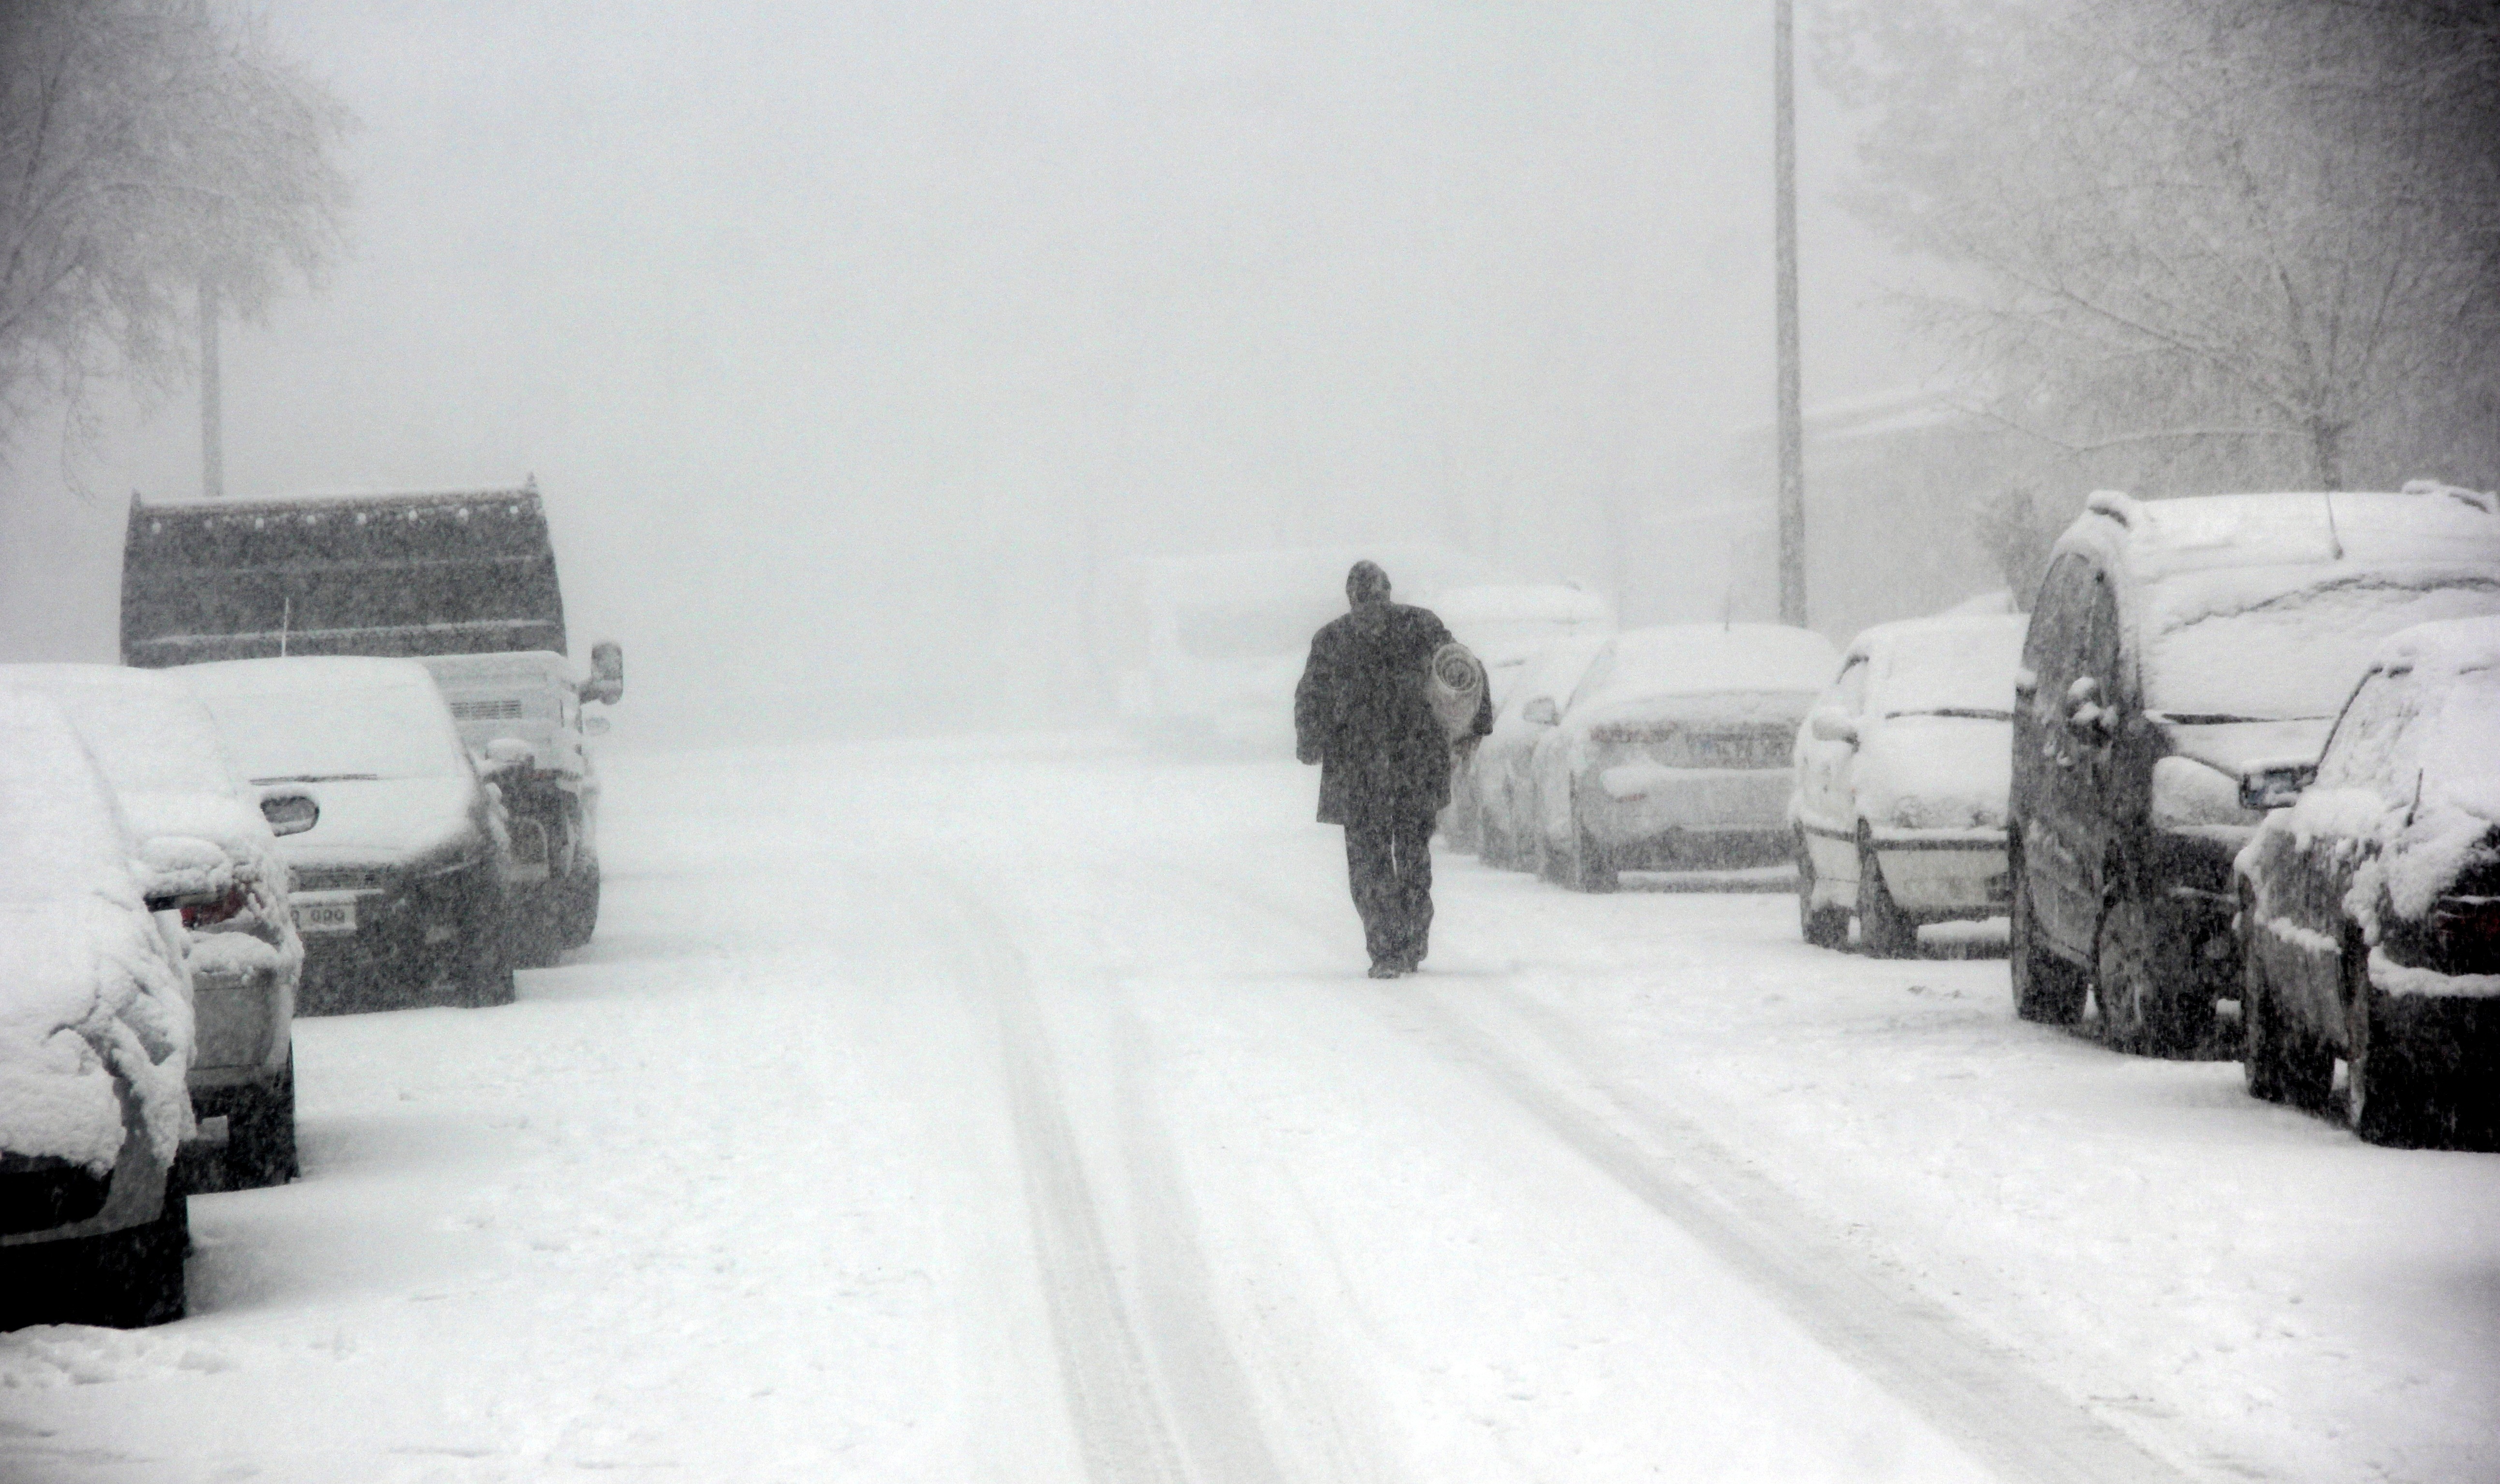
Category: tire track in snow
[1129,1428]
[1984,1396]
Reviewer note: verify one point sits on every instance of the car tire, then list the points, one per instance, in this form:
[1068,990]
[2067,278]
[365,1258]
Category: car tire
[2139,1014]
[2388,1100]
[260,1135]
[578,916]
[137,1275]
[1883,930]
[1822,927]
[485,977]
[2278,1064]
[2047,989]
[1588,867]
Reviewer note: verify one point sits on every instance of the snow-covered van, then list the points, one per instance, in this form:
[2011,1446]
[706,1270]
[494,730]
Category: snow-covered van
[1207,648]
[2174,642]
[95,1039]
[159,751]
[2369,908]
[464,579]
[1901,779]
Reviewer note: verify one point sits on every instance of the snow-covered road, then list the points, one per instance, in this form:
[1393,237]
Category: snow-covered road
[1019,1111]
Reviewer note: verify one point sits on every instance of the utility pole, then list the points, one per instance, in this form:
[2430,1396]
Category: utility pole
[213,447]
[1791,431]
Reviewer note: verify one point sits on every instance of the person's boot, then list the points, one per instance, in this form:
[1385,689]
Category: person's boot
[1387,969]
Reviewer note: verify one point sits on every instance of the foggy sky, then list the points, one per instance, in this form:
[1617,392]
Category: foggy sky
[846,341]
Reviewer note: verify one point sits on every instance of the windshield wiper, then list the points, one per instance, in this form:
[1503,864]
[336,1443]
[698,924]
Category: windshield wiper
[1967,712]
[323,777]
[2201,718]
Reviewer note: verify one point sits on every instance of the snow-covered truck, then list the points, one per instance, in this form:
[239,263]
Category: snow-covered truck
[464,581]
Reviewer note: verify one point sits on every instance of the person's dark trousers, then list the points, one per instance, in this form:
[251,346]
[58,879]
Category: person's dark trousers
[1389,863]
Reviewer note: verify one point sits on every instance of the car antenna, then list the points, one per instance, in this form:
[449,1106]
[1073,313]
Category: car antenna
[2333,533]
[286,622]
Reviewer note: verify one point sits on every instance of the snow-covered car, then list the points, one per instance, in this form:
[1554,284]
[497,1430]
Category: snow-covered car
[2173,643]
[1506,625]
[1674,751]
[1902,769]
[1499,776]
[2369,908]
[95,1039]
[160,753]
[404,884]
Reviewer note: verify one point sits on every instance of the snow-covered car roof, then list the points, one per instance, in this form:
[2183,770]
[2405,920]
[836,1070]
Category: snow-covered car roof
[1691,659]
[1942,664]
[146,731]
[294,503]
[2156,538]
[89,994]
[325,717]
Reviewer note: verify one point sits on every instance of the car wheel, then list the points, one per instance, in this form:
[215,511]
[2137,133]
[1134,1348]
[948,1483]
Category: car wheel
[486,952]
[1495,848]
[260,1135]
[1587,868]
[2278,1064]
[2385,1089]
[1822,927]
[137,1274]
[2137,1013]
[1883,930]
[2047,989]
[579,914]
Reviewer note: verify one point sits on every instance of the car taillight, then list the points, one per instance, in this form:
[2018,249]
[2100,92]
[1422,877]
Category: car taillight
[203,914]
[2467,929]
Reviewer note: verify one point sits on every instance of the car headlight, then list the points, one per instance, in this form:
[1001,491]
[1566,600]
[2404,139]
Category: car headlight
[2186,793]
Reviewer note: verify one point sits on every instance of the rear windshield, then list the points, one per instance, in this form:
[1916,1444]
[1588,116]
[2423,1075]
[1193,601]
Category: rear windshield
[1951,673]
[381,731]
[2277,645]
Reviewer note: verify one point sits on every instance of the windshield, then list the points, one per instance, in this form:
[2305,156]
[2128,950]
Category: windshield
[147,744]
[1961,672]
[2254,645]
[313,736]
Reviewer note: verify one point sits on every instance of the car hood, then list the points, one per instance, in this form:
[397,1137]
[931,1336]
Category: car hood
[383,820]
[224,821]
[2232,746]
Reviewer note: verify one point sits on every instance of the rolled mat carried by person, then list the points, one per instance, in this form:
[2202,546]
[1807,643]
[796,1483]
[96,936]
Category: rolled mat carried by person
[1457,688]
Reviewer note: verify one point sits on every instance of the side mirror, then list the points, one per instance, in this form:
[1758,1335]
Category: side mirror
[183,871]
[2273,785]
[607,680]
[1829,723]
[1541,712]
[594,726]
[289,813]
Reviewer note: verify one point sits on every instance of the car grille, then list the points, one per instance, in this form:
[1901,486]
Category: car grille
[340,879]
[506,709]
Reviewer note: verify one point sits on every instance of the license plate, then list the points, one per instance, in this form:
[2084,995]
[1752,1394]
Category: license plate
[337,914]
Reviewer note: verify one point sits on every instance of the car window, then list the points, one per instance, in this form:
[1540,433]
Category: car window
[2367,748]
[2050,644]
[1600,670]
[2100,647]
[1850,692]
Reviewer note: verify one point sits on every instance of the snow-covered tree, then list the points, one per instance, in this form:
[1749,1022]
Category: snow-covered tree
[2174,249]
[147,147]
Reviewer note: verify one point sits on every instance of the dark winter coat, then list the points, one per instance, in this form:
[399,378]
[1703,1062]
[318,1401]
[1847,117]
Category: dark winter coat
[1364,714]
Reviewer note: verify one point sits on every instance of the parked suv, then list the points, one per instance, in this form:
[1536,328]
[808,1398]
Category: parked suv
[2370,909]
[2172,643]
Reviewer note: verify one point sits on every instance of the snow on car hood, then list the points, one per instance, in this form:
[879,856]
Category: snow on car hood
[226,822]
[386,820]
[1934,772]
[2231,745]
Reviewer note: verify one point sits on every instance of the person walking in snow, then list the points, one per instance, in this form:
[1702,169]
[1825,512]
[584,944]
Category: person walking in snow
[1364,714]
